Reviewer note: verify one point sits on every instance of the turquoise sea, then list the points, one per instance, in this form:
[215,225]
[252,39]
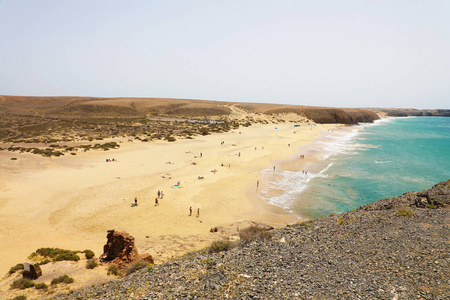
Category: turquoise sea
[358,165]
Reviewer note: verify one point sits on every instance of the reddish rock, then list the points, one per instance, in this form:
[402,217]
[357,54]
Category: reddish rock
[121,250]
[147,257]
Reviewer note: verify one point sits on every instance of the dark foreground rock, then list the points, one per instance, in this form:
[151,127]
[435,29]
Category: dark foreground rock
[391,249]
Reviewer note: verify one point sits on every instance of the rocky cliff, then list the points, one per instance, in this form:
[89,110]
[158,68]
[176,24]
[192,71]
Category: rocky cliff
[406,112]
[342,116]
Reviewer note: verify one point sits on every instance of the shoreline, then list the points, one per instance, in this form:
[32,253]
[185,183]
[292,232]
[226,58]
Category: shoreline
[70,202]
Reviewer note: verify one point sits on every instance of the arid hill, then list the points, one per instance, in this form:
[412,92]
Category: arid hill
[133,107]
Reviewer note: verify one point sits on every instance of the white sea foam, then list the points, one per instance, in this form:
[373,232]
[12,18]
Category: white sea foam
[283,187]
[383,162]
[342,142]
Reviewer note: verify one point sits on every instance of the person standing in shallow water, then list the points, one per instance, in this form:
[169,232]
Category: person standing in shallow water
[198,212]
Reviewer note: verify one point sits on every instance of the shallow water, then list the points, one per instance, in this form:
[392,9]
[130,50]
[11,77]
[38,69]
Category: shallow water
[359,165]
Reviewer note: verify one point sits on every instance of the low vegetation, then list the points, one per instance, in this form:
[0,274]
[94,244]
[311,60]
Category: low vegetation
[140,264]
[41,286]
[113,270]
[14,269]
[405,212]
[22,284]
[62,279]
[219,246]
[91,264]
[55,254]
[254,232]
[89,254]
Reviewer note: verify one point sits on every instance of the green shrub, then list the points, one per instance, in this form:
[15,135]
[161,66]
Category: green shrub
[89,254]
[57,254]
[44,262]
[218,246]
[91,264]
[404,211]
[429,206]
[113,269]
[41,286]
[140,264]
[308,223]
[17,267]
[20,298]
[254,232]
[47,252]
[62,279]
[67,255]
[22,284]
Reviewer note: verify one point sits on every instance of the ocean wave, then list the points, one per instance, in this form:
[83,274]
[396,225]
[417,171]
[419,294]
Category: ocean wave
[383,162]
[282,188]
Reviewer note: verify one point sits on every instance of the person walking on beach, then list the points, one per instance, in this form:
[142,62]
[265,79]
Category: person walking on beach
[257,183]
[159,193]
[156,202]
[190,211]
[135,202]
[274,168]
[198,212]
[162,194]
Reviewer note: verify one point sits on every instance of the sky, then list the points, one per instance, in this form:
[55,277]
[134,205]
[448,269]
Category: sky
[319,52]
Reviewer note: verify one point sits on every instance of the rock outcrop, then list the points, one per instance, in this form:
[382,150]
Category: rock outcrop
[32,271]
[436,197]
[121,250]
[406,112]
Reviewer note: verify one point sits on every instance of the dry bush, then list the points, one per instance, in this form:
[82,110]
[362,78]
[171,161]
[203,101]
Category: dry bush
[254,232]
[219,246]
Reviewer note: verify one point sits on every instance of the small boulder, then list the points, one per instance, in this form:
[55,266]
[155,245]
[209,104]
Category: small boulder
[32,271]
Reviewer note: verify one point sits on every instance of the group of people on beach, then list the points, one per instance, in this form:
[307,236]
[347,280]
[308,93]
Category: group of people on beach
[160,196]
[110,160]
[190,212]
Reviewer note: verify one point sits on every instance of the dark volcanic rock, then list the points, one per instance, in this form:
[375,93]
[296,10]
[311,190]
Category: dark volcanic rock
[370,253]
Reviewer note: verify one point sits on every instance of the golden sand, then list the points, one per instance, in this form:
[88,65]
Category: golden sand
[70,202]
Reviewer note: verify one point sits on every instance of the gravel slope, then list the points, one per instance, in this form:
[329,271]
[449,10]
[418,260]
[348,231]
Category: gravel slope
[371,253]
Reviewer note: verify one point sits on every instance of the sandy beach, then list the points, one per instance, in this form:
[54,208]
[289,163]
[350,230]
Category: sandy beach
[70,202]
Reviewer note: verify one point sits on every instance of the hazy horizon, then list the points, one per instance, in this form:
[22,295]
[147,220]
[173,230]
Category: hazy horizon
[389,54]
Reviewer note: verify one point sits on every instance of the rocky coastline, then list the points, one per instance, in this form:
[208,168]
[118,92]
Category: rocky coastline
[394,248]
